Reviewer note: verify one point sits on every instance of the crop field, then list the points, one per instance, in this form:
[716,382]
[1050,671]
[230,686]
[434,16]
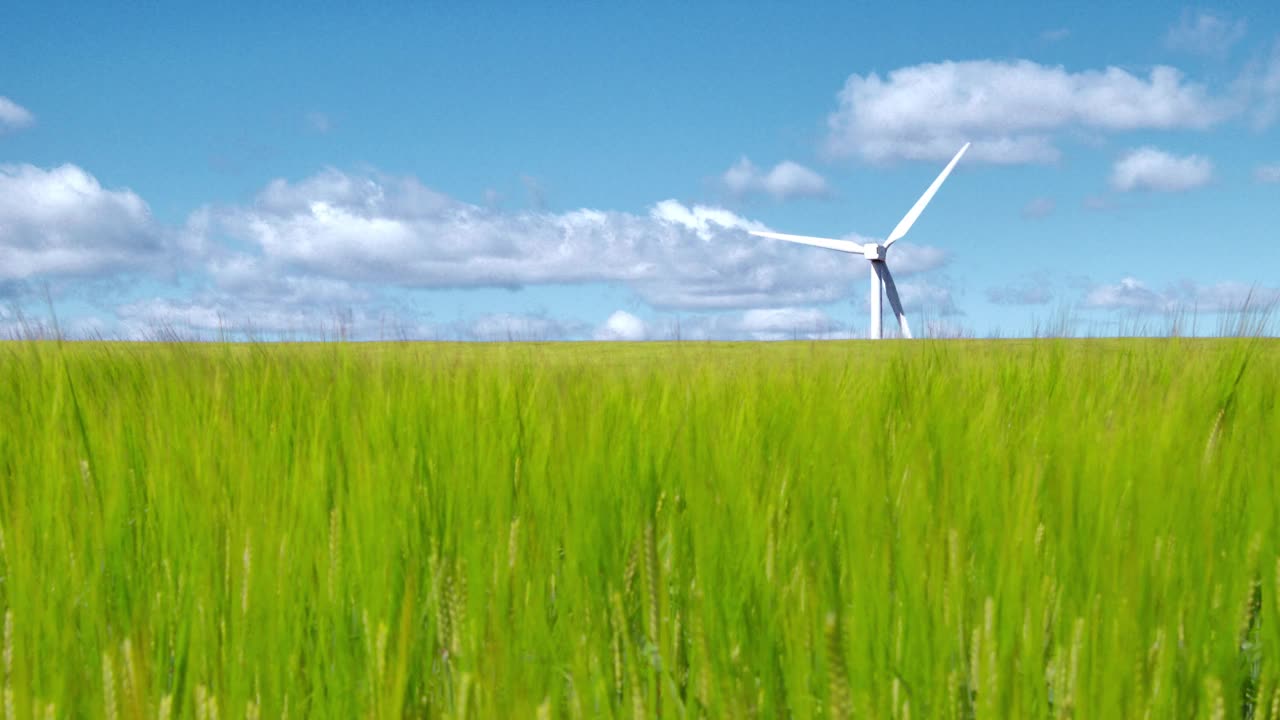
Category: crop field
[934,529]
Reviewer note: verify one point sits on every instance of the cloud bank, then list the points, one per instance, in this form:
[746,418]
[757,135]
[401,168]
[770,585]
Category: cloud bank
[386,230]
[301,253]
[1133,294]
[1010,110]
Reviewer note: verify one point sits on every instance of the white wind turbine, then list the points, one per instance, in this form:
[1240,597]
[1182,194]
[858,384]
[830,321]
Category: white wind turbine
[880,277]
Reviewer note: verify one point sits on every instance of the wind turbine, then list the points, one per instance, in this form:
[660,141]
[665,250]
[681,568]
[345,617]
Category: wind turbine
[876,253]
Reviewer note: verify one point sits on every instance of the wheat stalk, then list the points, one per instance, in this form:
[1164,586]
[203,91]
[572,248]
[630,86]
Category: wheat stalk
[839,699]
[109,707]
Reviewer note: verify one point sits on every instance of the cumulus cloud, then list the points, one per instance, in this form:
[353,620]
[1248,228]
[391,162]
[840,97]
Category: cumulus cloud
[781,323]
[247,278]
[13,116]
[908,259]
[1205,33]
[786,180]
[317,257]
[1128,293]
[394,230]
[1148,168]
[919,298]
[622,325]
[210,315]
[786,323]
[213,312]
[62,222]
[1227,296]
[1133,294]
[927,297]
[1008,109]
[1267,173]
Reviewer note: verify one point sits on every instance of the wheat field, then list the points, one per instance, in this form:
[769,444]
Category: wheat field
[933,529]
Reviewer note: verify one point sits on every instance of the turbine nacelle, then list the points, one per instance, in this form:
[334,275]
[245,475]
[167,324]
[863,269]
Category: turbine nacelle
[872,251]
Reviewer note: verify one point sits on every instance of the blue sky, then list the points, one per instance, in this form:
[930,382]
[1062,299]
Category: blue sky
[572,171]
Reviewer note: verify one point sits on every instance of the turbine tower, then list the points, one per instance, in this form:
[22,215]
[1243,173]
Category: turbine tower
[881,280]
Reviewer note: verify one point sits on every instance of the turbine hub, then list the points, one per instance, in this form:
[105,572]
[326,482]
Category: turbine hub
[874,252]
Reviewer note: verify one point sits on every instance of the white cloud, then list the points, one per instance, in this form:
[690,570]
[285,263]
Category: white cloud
[705,221]
[516,327]
[207,316]
[1267,173]
[315,258]
[1055,34]
[1008,109]
[13,116]
[1205,33]
[781,323]
[1133,294]
[1148,168]
[211,315]
[622,325]
[212,312]
[1128,293]
[907,259]
[786,180]
[807,323]
[393,230]
[1227,296]
[924,296]
[63,222]
[786,323]
[247,278]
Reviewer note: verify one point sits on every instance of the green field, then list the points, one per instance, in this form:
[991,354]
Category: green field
[932,529]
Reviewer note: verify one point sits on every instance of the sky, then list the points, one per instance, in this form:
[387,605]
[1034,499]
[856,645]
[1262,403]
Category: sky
[582,171]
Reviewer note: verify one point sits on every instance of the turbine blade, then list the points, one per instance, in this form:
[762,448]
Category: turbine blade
[909,219]
[829,243]
[892,291]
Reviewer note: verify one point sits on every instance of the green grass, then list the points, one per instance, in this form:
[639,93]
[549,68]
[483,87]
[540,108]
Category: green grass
[928,529]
